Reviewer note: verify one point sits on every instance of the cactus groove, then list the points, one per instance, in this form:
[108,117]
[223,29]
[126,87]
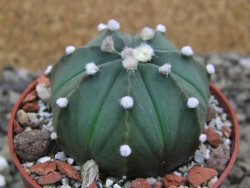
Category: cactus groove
[130,117]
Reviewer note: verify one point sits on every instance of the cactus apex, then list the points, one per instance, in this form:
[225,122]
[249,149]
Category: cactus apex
[91,69]
[101,27]
[62,102]
[69,50]
[125,150]
[113,25]
[130,63]
[162,28]
[187,51]
[165,69]
[108,44]
[147,33]
[143,53]
[127,102]
[192,102]
[48,70]
[210,69]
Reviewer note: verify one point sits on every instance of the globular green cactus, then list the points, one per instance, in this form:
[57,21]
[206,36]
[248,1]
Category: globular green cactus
[134,104]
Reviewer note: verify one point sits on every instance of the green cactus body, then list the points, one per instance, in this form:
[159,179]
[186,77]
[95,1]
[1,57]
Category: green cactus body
[161,131]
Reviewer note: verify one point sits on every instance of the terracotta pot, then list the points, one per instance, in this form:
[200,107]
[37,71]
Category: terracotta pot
[30,183]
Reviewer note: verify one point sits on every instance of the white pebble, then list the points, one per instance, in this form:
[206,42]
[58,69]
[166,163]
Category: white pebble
[203,138]
[177,173]
[227,141]
[210,69]
[187,51]
[161,28]
[70,160]
[43,92]
[62,102]
[113,25]
[2,181]
[212,181]
[53,136]
[60,156]
[207,154]
[69,50]
[165,69]
[192,102]
[125,150]
[65,181]
[3,163]
[44,159]
[91,68]
[108,44]
[109,182]
[151,180]
[28,164]
[130,63]
[198,157]
[117,186]
[48,70]
[101,27]
[127,102]
[147,33]
[65,186]
[143,53]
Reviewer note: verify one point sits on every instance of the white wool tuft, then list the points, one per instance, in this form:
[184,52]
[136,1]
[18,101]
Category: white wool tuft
[62,102]
[165,69]
[147,33]
[127,102]
[101,27]
[113,25]
[69,50]
[203,138]
[130,63]
[187,51]
[192,102]
[143,53]
[91,68]
[48,70]
[162,28]
[108,44]
[210,69]
[127,52]
[125,150]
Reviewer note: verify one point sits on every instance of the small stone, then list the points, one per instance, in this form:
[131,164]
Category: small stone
[53,136]
[93,185]
[89,172]
[22,117]
[199,175]
[219,158]
[61,156]
[17,127]
[118,186]
[2,181]
[49,179]
[30,145]
[33,117]
[44,159]
[43,92]
[151,180]
[31,107]
[68,170]
[3,164]
[43,80]
[203,138]
[44,168]
[213,137]
[30,97]
[212,181]
[227,132]
[173,180]
[198,157]
[109,182]
[70,161]
[157,184]
[211,114]
[140,183]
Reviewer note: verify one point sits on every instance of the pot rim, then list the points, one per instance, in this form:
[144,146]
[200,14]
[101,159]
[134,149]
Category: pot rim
[213,89]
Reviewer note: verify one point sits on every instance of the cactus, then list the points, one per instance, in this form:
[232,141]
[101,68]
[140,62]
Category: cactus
[134,104]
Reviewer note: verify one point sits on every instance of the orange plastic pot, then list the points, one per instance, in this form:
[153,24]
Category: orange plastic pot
[30,183]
